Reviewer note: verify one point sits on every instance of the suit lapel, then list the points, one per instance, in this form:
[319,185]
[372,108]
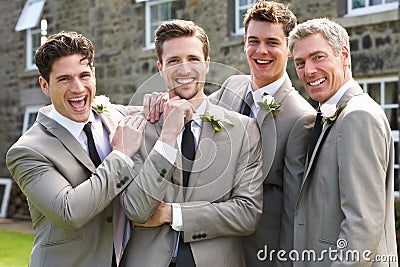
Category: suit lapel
[69,142]
[352,91]
[201,160]
[279,96]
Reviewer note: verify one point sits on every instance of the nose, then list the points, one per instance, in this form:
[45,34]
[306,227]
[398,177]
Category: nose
[184,68]
[262,48]
[309,68]
[77,86]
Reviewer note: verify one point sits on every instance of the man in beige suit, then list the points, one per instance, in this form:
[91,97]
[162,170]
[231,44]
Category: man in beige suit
[199,221]
[344,213]
[285,135]
[70,199]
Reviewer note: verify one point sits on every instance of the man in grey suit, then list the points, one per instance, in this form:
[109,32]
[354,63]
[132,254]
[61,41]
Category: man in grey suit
[344,214]
[199,219]
[70,198]
[285,132]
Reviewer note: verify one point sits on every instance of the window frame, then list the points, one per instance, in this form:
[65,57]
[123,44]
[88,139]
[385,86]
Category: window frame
[30,21]
[149,44]
[395,133]
[240,30]
[368,9]
[27,123]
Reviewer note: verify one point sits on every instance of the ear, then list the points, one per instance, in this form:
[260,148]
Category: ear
[244,43]
[208,64]
[345,54]
[159,65]
[44,85]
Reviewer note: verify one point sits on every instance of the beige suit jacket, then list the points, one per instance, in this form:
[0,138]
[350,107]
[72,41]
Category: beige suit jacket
[69,199]
[285,139]
[223,201]
[346,199]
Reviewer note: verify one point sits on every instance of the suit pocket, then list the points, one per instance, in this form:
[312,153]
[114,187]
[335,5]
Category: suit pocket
[61,242]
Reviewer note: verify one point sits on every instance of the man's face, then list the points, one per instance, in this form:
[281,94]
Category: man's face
[267,52]
[183,67]
[71,87]
[319,69]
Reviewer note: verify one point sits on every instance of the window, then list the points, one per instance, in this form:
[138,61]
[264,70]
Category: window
[30,117]
[365,7]
[35,33]
[157,11]
[385,92]
[241,7]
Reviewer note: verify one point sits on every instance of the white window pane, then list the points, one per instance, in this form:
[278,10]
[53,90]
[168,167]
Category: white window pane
[30,15]
[30,117]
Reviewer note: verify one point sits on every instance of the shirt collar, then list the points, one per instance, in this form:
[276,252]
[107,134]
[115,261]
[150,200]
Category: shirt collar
[270,89]
[334,100]
[201,110]
[75,128]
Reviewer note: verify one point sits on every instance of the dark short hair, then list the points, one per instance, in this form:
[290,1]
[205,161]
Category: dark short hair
[59,45]
[179,28]
[273,12]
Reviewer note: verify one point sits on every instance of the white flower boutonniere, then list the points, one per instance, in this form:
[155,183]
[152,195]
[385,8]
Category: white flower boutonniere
[217,124]
[330,112]
[269,103]
[101,103]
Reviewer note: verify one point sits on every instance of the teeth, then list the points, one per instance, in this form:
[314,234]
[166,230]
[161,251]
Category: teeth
[77,98]
[184,80]
[259,61]
[317,82]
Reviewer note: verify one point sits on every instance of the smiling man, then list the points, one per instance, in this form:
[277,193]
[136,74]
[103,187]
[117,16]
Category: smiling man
[285,136]
[345,205]
[197,216]
[70,184]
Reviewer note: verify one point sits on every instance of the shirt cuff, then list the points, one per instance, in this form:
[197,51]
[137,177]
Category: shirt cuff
[177,221]
[127,159]
[166,150]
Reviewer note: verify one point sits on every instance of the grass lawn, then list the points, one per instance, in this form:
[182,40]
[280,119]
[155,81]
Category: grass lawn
[15,248]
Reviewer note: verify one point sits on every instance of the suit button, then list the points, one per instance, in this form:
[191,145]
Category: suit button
[122,182]
[126,178]
[109,219]
[119,185]
[194,237]
[163,172]
[203,235]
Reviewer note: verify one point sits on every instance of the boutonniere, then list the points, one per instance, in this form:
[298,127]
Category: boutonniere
[331,112]
[269,103]
[217,124]
[101,103]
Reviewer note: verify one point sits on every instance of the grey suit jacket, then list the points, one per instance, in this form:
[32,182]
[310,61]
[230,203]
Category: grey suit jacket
[346,199]
[285,139]
[69,199]
[223,201]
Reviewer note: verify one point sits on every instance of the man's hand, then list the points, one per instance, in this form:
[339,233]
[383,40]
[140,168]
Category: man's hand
[153,105]
[128,135]
[162,215]
[175,111]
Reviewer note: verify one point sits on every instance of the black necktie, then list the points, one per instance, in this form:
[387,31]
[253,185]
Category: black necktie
[247,103]
[185,256]
[188,152]
[316,132]
[94,156]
